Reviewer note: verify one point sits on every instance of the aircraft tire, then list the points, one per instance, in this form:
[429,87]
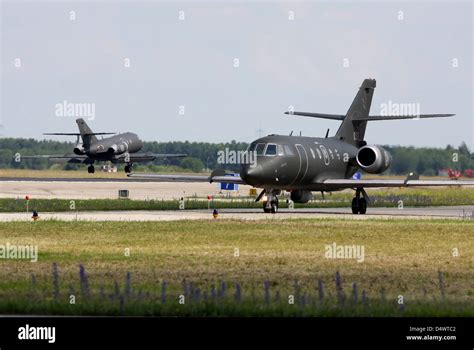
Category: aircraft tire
[355,206]
[265,209]
[274,208]
[362,206]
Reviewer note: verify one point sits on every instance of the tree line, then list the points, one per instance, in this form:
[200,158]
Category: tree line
[204,155]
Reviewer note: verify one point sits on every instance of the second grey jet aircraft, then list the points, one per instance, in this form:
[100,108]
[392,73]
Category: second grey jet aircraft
[120,148]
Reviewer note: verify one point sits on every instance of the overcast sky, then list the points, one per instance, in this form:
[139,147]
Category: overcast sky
[235,67]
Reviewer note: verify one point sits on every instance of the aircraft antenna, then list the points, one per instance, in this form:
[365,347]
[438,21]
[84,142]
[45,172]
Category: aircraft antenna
[260,130]
[327,133]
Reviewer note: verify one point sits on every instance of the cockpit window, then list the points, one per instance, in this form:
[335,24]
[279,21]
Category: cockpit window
[281,152]
[271,150]
[288,150]
[260,148]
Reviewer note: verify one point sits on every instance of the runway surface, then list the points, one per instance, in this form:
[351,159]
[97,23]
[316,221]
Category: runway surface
[103,188]
[455,213]
[107,188]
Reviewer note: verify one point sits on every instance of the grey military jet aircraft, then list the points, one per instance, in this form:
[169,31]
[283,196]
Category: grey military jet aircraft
[301,165]
[120,148]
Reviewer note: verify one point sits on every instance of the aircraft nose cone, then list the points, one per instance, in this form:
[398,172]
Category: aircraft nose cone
[249,173]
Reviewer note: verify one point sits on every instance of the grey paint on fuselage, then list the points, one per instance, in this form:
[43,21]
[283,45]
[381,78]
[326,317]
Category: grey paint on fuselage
[121,148]
[101,150]
[304,164]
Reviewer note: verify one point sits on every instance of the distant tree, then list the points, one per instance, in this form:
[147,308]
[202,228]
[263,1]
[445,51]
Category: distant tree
[425,161]
[463,149]
[192,163]
[449,148]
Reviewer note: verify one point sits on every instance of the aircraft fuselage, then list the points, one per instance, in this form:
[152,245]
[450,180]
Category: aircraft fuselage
[297,162]
[112,148]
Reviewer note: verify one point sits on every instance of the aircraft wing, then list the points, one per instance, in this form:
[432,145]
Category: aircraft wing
[148,157]
[350,183]
[188,178]
[73,158]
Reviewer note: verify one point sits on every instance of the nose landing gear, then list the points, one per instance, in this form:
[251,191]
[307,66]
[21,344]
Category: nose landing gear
[359,204]
[271,204]
[90,169]
[129,168]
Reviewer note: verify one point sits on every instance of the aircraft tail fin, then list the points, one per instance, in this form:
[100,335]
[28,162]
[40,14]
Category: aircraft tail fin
[354,123]
[352,129]
[87,135]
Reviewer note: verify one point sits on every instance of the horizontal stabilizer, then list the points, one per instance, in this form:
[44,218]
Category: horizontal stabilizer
[79,134]
[395,117]
[63,133]
[368,118]
[318,115]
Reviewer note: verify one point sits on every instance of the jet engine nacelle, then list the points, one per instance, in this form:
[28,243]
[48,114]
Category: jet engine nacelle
[118,148]
[79,149]
[373,159]
[301,196]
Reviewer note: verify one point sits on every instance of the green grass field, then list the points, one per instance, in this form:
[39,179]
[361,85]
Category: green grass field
[240,268]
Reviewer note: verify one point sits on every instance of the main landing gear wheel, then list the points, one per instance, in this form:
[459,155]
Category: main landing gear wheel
[90,169]
[355,206]
[128,168]
[362,205]
[359,204]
